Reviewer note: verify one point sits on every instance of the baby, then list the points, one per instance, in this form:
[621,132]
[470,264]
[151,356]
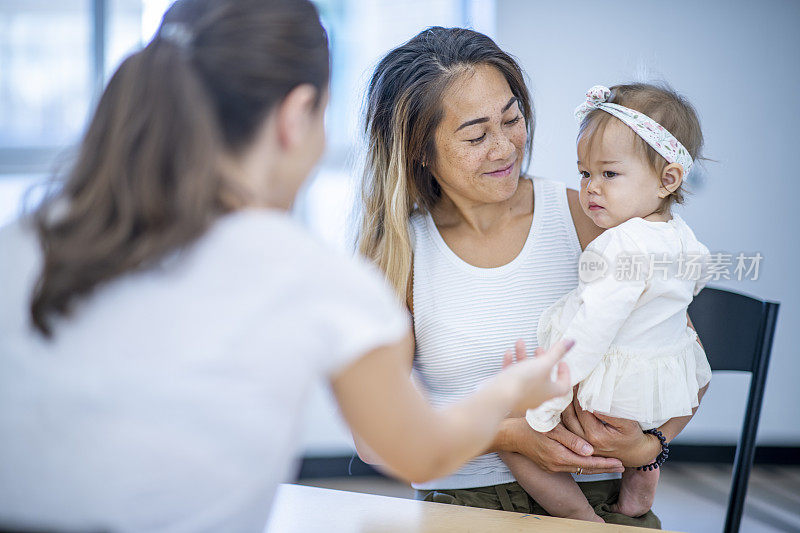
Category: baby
[634,356]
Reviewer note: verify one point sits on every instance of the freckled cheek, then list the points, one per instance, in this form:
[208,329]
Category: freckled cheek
[519,137]
[457,162]
[469,159]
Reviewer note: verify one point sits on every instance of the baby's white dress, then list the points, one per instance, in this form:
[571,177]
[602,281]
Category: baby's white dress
[634,355]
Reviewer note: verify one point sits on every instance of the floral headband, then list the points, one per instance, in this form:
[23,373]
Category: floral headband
[645,127]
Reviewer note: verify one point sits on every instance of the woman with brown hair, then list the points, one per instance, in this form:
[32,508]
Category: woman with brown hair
[477,250]
[163,318]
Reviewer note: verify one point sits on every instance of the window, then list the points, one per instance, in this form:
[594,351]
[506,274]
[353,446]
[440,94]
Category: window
[45,78]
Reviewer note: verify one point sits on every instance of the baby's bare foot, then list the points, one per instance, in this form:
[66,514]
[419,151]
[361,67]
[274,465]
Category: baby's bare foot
[637,492]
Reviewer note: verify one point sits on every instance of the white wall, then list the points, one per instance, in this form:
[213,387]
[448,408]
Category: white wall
[737,62]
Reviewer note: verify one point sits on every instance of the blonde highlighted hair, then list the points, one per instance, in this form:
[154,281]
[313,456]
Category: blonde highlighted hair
[403,112]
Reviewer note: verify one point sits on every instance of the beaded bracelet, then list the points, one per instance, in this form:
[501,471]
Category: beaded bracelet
[661,456]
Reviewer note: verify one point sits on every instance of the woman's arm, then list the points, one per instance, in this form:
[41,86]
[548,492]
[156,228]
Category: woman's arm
[365,453]
[621,438]
[418,443]
[672,427]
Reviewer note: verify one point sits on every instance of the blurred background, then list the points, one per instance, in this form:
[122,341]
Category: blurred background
[736,61]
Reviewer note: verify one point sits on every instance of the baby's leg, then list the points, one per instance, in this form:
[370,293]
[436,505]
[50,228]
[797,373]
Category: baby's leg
[556,492]
[637,492]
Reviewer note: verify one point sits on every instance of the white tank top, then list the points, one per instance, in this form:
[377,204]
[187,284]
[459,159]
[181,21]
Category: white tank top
[466,317]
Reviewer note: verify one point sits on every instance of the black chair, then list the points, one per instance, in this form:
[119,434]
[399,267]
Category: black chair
[737,332]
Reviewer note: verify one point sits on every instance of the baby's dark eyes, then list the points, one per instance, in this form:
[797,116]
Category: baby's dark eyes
[606,174]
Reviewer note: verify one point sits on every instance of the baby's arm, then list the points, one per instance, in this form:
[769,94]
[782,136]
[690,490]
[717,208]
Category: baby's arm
[606,303]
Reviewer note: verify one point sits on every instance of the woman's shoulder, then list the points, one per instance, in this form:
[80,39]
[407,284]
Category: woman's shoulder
[18,233]
[277,250]
[546,182]
[416,226]
[259,243]
[416,220]
[21,264]
[268,224]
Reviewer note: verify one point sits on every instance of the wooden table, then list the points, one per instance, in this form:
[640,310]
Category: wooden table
[310,509]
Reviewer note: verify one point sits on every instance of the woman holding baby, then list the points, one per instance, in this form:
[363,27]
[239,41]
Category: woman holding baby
[478,250]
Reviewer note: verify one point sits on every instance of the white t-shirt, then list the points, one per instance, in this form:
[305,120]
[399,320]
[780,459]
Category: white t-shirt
[170,399]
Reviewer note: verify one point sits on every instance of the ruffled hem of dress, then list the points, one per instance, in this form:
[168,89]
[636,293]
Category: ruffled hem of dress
[648,389]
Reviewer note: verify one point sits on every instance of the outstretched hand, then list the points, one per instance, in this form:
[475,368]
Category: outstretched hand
[534,373]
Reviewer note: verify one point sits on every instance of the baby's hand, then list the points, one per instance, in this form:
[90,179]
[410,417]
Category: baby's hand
[534,374]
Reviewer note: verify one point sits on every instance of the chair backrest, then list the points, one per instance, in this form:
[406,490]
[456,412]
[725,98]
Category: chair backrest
[731,327]
[737,333]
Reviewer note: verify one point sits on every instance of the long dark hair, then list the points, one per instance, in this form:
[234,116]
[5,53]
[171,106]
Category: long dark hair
[146,180]
[404,110]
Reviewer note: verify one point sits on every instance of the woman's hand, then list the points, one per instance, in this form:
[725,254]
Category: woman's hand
[612,437]
[558,450]
[531,376]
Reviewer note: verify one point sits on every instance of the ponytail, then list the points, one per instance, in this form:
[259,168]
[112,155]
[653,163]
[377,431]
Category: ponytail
[146,180]
[142,184]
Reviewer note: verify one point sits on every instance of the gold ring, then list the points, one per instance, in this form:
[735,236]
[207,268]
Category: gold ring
[580,471]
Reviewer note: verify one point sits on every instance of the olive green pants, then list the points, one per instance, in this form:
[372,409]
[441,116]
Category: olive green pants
[512,497]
